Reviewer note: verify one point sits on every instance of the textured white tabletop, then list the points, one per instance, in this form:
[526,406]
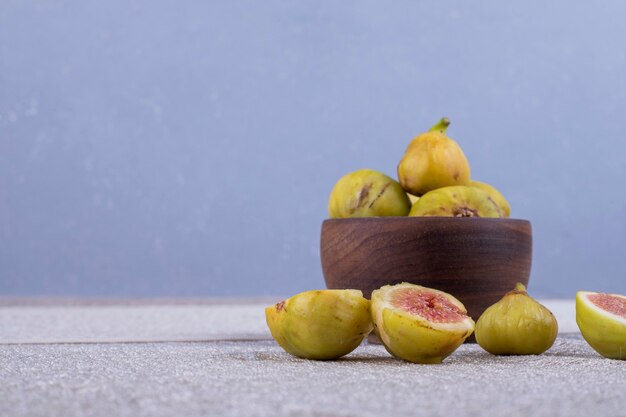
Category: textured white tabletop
[216,359]
[51,321]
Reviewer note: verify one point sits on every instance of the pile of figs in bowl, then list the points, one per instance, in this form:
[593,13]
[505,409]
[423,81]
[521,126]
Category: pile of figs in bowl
[435,227]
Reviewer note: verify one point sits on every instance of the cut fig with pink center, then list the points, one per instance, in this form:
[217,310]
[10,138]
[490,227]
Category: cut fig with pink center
[610,303]
[419,324]
[601,319]
[430,305]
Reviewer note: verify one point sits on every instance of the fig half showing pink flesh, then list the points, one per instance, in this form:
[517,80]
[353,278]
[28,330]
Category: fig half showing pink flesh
[431,305]
[419,324]
[601,319]
[610,303]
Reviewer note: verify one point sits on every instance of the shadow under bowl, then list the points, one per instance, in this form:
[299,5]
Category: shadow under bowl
[477,260]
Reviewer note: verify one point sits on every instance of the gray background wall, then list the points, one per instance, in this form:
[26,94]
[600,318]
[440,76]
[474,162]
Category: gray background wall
[188,148]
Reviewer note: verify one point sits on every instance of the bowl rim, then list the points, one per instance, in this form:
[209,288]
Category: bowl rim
[427,219]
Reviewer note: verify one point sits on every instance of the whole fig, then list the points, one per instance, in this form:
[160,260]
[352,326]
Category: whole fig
[456,201]
[320,324]
[433,160]
[516,325]
[367,193]
[495,195]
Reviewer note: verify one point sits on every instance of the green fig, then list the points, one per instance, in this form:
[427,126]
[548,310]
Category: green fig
[321,324]
[495,195]
[367,193]
[456,201]
[516,325]
[433,160]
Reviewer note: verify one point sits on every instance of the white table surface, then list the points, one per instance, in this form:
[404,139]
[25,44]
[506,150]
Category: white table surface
[216,358]
[76,321]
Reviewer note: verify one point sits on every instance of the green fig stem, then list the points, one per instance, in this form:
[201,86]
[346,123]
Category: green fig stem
[519,289]
[441,125]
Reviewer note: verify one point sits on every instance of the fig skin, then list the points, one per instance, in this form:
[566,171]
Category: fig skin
[516,325]
[367,193]
[495,195]
[433,160]
[320,324]
[412,338]
[605,333]
[456,201]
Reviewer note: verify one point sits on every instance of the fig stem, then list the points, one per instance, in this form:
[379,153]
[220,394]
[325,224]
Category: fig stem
[441,125]
[519,288]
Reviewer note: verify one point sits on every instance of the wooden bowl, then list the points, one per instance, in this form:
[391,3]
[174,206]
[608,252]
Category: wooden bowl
[477,260]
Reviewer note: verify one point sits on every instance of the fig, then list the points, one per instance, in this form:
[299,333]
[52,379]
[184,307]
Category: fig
[320,324]
[516,325]
[433,160]
[367,193]
[419,324]
[456,201]
[495,195]
[601,319]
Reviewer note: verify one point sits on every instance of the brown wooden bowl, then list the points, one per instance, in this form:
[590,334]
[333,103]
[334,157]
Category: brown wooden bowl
[477,260]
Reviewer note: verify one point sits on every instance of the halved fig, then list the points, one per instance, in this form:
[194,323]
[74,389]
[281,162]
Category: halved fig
[601,319]
[419,324]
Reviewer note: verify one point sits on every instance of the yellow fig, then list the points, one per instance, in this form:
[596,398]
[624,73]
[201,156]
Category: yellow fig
[516,325]
[367,193]
[419,324]
[433,160]
[601,319]
[320,324]
[495,195]
[456,201]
